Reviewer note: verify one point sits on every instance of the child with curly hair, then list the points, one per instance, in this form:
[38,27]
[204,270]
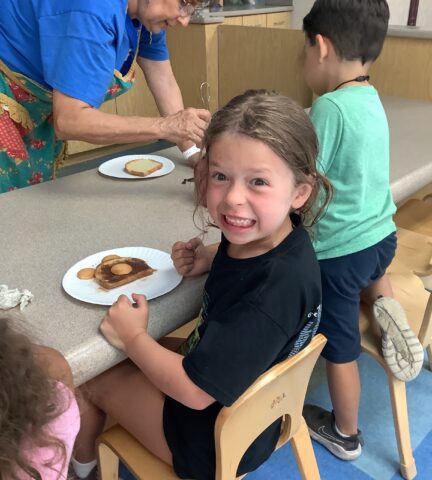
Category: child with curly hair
[39,417]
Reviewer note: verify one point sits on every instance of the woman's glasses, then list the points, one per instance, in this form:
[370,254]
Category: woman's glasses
[186,9]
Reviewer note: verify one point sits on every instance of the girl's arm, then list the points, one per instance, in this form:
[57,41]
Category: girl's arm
[125,327]
[164,369]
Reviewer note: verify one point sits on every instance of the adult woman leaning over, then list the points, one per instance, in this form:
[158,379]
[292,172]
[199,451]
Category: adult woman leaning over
[60,60]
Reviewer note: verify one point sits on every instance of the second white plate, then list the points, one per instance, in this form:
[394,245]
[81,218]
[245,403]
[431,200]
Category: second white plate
[115,167]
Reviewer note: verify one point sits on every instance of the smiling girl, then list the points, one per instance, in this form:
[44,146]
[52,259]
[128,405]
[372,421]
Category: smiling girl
[261,302]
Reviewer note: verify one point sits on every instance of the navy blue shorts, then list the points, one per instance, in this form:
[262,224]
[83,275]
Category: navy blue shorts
[343,279]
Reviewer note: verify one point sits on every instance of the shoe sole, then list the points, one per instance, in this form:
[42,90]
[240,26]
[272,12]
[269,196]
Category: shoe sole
[336,450]
[401,348]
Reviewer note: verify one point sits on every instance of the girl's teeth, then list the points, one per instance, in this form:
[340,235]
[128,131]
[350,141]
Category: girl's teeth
[239,222]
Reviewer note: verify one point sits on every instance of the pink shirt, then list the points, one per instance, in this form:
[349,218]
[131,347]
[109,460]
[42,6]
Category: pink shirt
[65,428]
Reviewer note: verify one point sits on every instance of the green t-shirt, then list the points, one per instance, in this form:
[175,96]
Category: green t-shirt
[353,137]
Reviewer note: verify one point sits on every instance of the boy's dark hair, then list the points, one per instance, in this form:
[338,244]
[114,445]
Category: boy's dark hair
[356,28]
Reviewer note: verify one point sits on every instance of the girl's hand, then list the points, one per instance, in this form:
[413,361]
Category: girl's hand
[124,322]
[191,258]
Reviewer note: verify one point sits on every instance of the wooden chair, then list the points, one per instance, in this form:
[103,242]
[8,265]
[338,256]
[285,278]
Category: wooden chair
[415,215]
[415,253]
[280,392]
[410,292]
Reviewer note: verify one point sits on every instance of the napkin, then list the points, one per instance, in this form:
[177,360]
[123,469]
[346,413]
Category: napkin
[10,298]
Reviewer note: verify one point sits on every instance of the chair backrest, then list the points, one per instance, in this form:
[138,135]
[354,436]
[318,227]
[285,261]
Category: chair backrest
[280,392]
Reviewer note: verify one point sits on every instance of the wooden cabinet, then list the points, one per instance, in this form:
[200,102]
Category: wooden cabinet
[194,59]
[271,20]
[269,58]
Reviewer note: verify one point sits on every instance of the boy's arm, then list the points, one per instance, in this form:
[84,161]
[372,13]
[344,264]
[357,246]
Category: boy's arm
[328,122]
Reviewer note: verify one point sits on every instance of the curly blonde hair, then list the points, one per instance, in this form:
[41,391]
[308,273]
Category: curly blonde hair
[28,402]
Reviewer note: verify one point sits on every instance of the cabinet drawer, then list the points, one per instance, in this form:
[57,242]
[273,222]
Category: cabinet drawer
[255,20]
[279,20]
[233,21]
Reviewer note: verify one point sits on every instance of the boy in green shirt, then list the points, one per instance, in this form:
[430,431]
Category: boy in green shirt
[355,240]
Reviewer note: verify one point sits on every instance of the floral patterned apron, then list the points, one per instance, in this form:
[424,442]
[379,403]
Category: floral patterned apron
[30,153]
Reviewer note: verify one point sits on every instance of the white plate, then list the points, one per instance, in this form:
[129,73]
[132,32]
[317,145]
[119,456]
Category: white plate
[115,167]
[160,282]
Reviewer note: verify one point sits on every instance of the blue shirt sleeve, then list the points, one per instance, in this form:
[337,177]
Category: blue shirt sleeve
[79,52]
[156,49]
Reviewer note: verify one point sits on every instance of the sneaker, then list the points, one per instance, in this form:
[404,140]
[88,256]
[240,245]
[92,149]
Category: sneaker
[401,348]
[321,424]
[93,475]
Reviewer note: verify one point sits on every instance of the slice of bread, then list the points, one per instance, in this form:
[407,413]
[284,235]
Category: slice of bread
[142,167]
[107,279]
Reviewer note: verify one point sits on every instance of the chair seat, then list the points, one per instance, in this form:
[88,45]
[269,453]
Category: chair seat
[135,456]
[415,251]
[415,215]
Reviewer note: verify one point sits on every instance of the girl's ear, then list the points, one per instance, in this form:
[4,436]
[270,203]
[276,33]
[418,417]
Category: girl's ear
[303,193]
[323,47]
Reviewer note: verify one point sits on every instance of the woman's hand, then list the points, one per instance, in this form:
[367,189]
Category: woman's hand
[124,322]
[191,258]
[185,125]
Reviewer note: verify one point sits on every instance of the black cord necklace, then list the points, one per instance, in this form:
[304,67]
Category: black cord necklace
[361,78]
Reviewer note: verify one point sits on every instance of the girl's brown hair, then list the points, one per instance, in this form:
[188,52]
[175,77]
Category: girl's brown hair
[282,125]
[28,403]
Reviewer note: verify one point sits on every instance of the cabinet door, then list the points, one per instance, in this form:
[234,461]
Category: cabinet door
[255,20]
[279,20]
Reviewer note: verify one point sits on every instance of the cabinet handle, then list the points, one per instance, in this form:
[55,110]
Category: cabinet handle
[276,24]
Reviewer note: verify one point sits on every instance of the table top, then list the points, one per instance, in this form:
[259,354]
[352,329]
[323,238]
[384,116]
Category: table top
[47,228]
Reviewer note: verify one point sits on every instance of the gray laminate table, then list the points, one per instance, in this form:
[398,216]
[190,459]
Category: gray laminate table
[45,229]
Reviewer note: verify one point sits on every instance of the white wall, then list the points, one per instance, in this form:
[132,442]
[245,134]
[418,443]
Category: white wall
[398,12]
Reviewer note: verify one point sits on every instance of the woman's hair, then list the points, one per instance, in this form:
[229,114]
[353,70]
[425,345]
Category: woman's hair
[28,402]
[282,125]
